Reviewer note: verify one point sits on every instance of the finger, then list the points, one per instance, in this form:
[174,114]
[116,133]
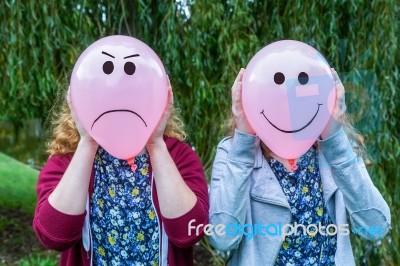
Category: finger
[71,109]
[237,103]
[234,101]
[239,98]
[339,85]
[239,91]
[171,96]
[240,75]
[170,100]
[69,101]
[336,77]
[340,95]
[340,91]
[340,101]
[236,84]
[238,78]
[169,81]
[233,91]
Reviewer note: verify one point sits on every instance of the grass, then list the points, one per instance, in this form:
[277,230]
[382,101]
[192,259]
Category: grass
[17,184]
[39,259]
[18,244]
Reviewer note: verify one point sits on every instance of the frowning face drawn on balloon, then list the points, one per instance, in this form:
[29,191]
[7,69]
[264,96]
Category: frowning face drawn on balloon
[129,69]
[288,96]
[119,91]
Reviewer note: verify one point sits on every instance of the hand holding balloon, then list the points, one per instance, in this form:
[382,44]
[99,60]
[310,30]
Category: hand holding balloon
[157,135]
[335,122]
[84,136]
[237,110]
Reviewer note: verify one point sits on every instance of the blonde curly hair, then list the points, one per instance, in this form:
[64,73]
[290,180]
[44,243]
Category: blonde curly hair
[64,137]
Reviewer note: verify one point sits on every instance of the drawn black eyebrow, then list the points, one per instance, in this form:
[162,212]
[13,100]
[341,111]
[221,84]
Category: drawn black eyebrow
[107,54]
[129,56]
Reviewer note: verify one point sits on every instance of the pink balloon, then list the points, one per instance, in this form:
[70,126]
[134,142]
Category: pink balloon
[288,96]
[119,89]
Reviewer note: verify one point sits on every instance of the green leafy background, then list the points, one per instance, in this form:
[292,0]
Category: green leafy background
[203,44]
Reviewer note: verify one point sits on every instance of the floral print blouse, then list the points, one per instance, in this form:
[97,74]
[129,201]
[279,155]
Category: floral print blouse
[124,224]
[303,190]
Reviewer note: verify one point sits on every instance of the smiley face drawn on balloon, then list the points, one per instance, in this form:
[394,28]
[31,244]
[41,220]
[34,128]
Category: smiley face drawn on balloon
[288,96]
[119,91]
[303,78]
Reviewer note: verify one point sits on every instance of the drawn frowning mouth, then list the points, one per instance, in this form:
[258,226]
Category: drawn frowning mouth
[292,131]
[120,110]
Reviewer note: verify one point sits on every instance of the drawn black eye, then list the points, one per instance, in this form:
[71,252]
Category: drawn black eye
[303,78]
[129,68]
[279,78]
[108,67]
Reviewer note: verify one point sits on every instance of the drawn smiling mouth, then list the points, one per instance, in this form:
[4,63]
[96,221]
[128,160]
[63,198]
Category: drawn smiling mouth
[121,110]
[292,131]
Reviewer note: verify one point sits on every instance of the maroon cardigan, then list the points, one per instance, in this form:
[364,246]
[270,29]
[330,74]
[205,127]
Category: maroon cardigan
[63,232]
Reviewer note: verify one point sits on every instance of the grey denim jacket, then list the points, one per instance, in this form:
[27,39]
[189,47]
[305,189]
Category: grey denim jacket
[244,190]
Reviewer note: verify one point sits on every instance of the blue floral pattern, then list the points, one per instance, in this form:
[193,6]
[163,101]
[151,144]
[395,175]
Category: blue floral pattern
[123,219]
[303,190]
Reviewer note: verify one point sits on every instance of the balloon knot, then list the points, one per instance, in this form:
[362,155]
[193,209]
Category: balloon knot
[131,162]
[292,164]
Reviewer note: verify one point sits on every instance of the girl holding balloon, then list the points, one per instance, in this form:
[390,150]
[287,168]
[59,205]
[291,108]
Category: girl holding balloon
[96,203]
[291,176]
